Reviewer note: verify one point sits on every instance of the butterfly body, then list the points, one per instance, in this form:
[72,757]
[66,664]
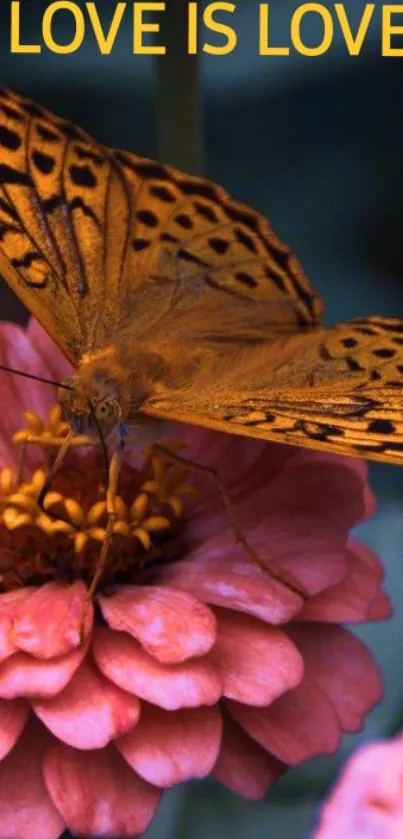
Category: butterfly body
[175,302]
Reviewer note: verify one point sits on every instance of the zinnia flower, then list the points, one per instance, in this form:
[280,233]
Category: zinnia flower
[367,801]
[195,660]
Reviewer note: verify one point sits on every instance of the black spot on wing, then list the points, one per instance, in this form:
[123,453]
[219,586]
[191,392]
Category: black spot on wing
[78,204]
[12,113]
[246,279]
[9,139]
[384,352]
[8,175]
[184,221]
[148,218]
[88,154]
[140,244]
[46,134]
[206,211]
[26,260]
[218,245]
[43,162]
[381,426]
[162,193]
[83,176]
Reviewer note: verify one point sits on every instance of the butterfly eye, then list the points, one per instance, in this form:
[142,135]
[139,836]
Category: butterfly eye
[105,413]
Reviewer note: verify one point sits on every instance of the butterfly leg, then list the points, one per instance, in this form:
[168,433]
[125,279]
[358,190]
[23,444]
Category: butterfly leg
[284,578]
[209,472]
[113,479]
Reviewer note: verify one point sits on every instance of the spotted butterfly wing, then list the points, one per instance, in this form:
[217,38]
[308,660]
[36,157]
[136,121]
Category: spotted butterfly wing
[93,239]
[109,249]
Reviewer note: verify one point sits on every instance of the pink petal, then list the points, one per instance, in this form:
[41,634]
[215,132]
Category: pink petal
[90,711]
[216,575]
[357,465]
[171,625]
[55,361]
[380,609]
[48,624]
[169,747]
[185,685]
[350,600]
[242,765]
[13,716]
[301,525]
[257,662]
[17,393]
[342,667]
[97,793]
[300,724]
[22,675]
[9,602]
[26,809]
[369,557]
[367,800]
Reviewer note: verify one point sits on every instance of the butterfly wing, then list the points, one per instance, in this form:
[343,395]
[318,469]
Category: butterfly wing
[338,389]
[60,195]
[96,242]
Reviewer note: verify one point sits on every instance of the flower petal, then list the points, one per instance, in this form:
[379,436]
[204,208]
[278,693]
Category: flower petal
[257,662]
[216,575]
[48,624]
[13,716]
[17,393]
[97,793]
[90,711]
[55,361]
[357,465]
[169,747]
[26,809]
[22,675]
[171,625]
[242,765]
[9,602]
[367,799]
[185,685]
[300,724]
[348,601]
[300,527]
[342,667]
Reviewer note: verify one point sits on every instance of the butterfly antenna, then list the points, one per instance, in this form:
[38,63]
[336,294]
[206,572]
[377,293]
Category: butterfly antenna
[102,441]
[35,378]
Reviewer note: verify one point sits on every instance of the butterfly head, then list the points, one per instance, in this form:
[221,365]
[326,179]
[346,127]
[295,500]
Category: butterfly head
[89,406]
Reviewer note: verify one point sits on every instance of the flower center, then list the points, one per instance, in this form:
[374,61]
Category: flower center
[64,543]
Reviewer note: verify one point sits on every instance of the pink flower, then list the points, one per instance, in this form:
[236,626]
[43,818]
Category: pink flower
[196,661]
[367,801]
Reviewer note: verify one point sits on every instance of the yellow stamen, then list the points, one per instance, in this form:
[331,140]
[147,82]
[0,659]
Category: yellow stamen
[155,523]
[80,541]
[120,508]
[75,511]
[96,511]
[143,538]
[6,480]
[139,506]
[13,519]
[149,513]
[33,421]
[22,499]
[51,499]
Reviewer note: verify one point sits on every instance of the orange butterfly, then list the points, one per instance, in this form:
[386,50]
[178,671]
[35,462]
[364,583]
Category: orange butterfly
[175,302]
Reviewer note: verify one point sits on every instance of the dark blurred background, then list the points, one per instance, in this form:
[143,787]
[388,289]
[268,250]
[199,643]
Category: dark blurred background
[314,143]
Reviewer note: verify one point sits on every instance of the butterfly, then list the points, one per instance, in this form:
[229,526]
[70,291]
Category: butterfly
[175,302]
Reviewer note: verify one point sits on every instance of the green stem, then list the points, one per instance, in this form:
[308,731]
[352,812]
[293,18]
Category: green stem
[177,96]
